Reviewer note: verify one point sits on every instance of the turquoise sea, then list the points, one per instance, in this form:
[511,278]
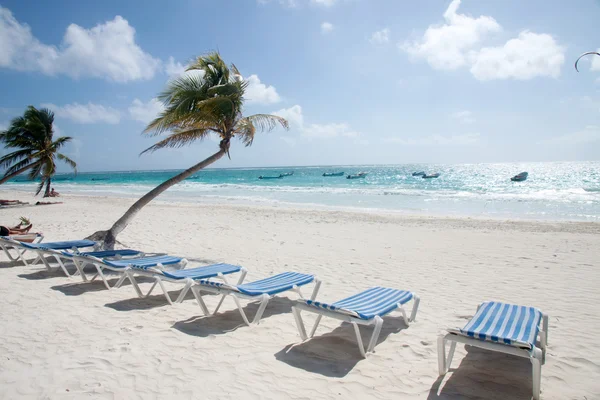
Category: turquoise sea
[562,190]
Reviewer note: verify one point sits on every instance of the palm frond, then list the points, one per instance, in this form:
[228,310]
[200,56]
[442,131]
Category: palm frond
[245,130]
[267,122]
[60,142]
[67,160]
[179,139]
[17,166]
[40,186]
[15,156]
[35,171]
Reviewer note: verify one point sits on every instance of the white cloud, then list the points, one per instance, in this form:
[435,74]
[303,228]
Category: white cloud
[324,3]
[86,113]
[525,57]
[465,117]
[106,51]
[446,46]
[381,37]
[145,112]
[438,140]
[293,115]
[294,3]
[173,68]
[326,27]
[460,43]
[329,131]
[259,93]
[296,120]
[288,140]
[589,134]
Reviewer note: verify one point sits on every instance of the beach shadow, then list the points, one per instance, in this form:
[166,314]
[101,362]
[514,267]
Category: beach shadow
[43,274]
[11,264]
[334,354]
[230,320]
[485,374]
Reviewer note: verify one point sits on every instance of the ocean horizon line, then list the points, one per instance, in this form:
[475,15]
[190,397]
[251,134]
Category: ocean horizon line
[329,166]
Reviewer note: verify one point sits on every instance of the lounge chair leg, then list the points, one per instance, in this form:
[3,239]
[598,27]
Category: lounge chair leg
[198,297]
[536,368]
[79,268]
[442,367]
[261,309]
[316,289]
[101,275]
[242,276]
[299,323]
[220,303]
[404,317]
[239,306]
[314,329]
[62,266]
[188,284]
[376,332]
[359,341]
[45,262]
[164,289]
[413,314]
[151,287]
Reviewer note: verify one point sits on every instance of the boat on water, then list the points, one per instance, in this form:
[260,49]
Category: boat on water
[287,174]
[271,177]
[333,173]
[436,175]
[420,173]
[357,176]
[520,177]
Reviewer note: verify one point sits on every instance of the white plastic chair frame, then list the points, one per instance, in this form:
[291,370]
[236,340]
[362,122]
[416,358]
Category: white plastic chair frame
[81,261]
[355,321]
[14,244]
[236,295]
[537,355]
[160,279]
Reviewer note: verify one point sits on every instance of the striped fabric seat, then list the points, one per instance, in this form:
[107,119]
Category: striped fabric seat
[272,285]
[59,245]
[105,253]
[144,262]
[210,271]
[376,301]
[509,324]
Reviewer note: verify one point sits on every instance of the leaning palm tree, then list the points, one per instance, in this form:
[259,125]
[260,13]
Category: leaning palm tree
[37,151]
[198,104]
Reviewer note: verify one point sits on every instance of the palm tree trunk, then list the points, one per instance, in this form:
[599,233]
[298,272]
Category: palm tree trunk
[47,192]
[18,172]
[109,237]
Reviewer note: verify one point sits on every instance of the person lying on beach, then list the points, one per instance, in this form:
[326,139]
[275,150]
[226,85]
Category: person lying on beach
[10,202]
[54,193]
[16,230]
[45,203]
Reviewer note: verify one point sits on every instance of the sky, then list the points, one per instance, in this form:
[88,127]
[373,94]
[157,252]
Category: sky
[360,81]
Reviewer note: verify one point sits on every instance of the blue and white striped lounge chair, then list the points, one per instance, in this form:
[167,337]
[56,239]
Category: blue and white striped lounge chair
[6,245]
[46,248]
[80,262]
[365,308]
[506,328]
[261,290]
[186,276]
[120,265]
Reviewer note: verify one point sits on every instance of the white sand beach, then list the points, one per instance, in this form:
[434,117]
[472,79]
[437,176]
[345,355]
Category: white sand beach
[61,338]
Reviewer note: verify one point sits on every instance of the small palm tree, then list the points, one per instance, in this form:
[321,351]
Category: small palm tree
[209,101]
[32,134]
